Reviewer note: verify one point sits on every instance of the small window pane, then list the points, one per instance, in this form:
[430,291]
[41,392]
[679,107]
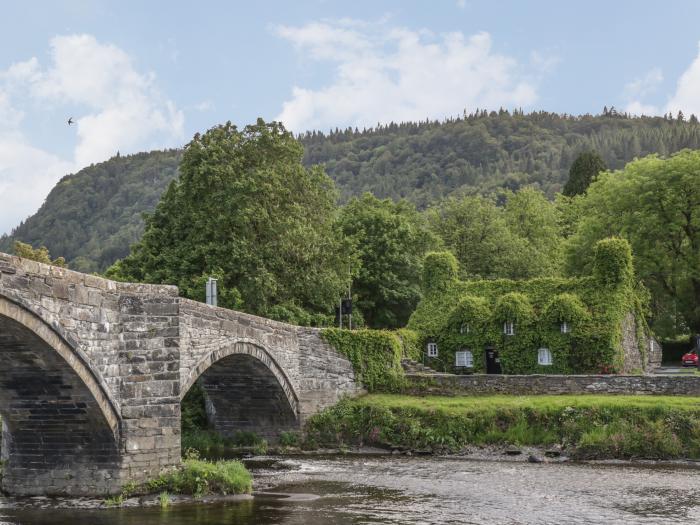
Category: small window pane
[544,356]
[432,350]
[565,328]
[464,329]
[464,358]
[508,328]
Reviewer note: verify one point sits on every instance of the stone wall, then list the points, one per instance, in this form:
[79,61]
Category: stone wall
[479,384]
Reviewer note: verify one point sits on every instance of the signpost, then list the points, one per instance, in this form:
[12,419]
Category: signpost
[212,297]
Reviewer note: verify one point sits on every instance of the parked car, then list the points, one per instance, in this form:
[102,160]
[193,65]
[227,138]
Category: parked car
[690,359]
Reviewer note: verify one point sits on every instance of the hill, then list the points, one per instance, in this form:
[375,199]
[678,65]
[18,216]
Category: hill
[93,216]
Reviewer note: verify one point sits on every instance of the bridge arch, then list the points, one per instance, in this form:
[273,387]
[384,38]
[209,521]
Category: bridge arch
[246,390]
[61,427]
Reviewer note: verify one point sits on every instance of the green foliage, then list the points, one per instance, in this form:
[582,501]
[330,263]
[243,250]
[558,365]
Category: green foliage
[199,478]
[654,203]
[537,307]
[375,355]
[193,412]
[209,443]
[410,343]
[583,171]
[612,263]
[568,308]
[439,271]
[93,216]
[515,307]
[37,254]
[290,439]
[245,208]
[390,239]
[518,240]
[602,427]
[486,151]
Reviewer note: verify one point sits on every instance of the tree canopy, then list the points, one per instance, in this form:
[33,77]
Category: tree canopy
[246,210]
[585,168]
[518,240]
[390,239]
[655,204]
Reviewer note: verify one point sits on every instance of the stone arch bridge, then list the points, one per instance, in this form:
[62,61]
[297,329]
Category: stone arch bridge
[93,372]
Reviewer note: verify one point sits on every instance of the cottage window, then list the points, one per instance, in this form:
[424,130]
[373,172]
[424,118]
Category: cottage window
[544,356]
[464,359]
[464,328]
[565,328]
[509,328]
[432,349]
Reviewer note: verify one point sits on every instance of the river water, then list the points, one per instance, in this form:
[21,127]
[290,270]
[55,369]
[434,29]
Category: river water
[420,490]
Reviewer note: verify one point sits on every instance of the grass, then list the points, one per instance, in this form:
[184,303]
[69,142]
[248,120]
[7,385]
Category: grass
[588,426]
[195,477]
[199,478]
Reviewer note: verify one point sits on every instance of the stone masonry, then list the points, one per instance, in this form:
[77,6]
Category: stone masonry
[93,372]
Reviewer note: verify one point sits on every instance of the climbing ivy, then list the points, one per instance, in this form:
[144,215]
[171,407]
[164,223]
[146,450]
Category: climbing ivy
[375,355]
[470,315]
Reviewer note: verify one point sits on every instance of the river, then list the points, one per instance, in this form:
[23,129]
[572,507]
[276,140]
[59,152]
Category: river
[421,490]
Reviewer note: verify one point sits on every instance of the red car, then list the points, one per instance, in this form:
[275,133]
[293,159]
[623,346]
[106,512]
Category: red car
[690,359]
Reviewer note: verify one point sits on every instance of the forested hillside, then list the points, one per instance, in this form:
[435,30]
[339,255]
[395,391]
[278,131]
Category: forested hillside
[485,151]
[92,217]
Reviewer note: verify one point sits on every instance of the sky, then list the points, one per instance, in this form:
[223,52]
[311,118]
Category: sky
[136,76]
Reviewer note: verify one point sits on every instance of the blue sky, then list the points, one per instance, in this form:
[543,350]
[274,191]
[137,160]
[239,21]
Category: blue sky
[141,75]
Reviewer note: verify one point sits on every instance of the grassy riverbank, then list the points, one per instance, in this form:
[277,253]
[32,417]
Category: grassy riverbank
[586,426]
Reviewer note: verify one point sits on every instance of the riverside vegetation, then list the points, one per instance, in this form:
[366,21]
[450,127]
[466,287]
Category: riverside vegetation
[585,427]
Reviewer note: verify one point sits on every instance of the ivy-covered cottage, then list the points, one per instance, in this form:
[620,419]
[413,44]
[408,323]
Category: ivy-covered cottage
[592,324]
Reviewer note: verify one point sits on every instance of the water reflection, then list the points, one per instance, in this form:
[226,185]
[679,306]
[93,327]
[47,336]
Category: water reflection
[361,490]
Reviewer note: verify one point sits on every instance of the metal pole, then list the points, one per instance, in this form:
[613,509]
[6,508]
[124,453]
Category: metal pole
[350,315]
[340,312]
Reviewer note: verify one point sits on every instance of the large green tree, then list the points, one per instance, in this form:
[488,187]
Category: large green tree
[583,171]
[390,239]
[655,204]
[244,209]
[518,240]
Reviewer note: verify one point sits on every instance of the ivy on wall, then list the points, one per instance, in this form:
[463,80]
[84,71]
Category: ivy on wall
[470,315]
[375,354]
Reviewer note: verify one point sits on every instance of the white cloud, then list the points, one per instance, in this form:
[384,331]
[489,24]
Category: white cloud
[686,97]
[116,108]
[27,174]
[395,74]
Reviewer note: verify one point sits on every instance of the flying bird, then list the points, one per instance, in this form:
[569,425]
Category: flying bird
[70,120]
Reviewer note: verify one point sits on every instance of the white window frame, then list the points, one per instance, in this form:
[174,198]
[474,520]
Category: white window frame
[544,357]
[464,328]
[464,358]
[565,327]
[509,328]
[432,348]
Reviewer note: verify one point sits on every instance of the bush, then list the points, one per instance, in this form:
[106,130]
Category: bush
[199,478]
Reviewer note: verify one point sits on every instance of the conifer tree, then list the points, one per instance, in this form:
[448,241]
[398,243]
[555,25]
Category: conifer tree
[582,172]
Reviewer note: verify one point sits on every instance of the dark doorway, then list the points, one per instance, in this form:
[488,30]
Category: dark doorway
[493,363]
